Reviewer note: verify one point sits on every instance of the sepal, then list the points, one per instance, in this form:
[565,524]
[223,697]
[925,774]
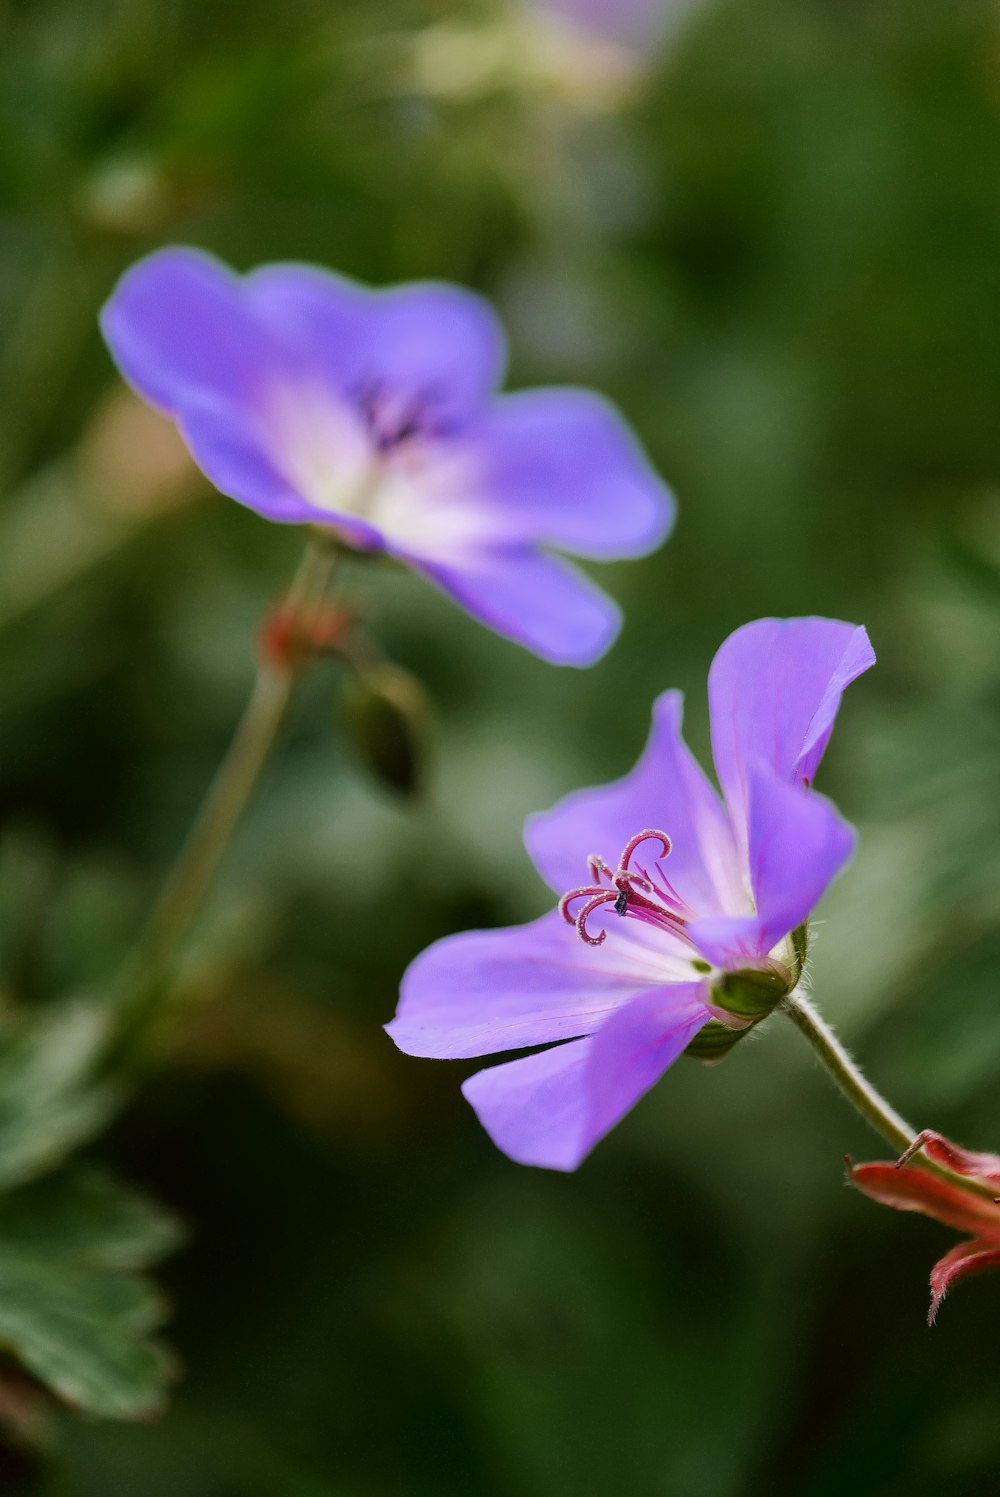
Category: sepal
[741,1000]
[751,994]
[714,1042]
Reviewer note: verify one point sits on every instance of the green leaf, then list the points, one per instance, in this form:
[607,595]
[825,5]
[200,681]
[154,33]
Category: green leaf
[49,1102]
[72,1310]
[85,1216]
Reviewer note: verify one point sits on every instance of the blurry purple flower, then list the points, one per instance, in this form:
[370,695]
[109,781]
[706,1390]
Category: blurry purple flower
[636,25]
[689,919]
[375,413]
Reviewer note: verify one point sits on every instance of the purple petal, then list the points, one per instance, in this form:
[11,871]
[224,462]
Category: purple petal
[540,601]
[489,990]
[181,333]
[325,316]
[633,24]
[424,342]
[667,790]
[564,470]
[551,1109]
[798,844]
[731,942]
[233,460]
[234,455]
[774,690]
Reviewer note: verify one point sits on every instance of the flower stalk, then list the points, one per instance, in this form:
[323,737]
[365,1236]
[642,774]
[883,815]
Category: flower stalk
[145,989]
[858,1090]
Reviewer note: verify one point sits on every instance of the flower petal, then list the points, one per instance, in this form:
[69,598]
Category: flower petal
[774,690]
[540,601]
[634,25]
[489,990]
[965,1259]
[666,789]
[551,1109]
[798,844]
[731,942]
[425,341]
[237,464]
[182,333]
[563,469]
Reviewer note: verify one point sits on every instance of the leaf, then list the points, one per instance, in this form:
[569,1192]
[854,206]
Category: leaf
[72,1310]
[86,1216]
[49,1101]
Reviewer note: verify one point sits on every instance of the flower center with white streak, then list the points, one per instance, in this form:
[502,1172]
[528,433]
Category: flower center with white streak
[381,459]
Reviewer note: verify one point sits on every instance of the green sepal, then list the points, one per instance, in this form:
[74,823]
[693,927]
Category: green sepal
[714,1041]
[751,994]
[800,945]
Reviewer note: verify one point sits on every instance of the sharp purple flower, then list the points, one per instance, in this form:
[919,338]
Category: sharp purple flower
[375,413]
[677,908]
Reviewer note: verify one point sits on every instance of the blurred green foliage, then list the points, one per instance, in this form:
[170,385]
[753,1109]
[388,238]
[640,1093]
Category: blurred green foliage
[780,253]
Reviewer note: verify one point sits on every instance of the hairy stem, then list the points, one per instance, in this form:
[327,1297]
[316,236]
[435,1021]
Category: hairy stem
[857,1089]
[146,984]
[874,1108]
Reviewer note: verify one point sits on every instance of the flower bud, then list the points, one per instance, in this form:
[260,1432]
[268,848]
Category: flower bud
[387,717]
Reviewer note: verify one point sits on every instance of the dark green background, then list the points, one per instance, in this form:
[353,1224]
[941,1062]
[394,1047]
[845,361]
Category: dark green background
[782,259]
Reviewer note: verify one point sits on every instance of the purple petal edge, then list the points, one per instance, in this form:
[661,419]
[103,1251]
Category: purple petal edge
[550,1109]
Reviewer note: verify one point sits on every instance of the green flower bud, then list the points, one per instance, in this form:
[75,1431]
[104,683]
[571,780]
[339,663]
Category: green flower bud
[387,718]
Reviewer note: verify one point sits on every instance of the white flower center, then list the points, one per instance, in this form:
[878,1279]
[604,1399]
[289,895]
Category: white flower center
[418,489]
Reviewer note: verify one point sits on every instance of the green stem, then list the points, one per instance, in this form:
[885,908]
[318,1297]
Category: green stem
[872,1107]
[857,1089]
[146,985]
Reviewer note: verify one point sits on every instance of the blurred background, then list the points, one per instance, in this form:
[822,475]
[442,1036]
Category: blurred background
[770,230]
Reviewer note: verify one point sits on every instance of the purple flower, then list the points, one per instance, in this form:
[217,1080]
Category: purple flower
[690,921]
[375,413]
[633,24]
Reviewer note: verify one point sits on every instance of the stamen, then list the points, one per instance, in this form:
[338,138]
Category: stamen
[396,420]
[604,897]
[637,840]
[586,891]
[633,892]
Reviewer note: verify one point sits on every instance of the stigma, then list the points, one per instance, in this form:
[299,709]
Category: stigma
[632,889]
